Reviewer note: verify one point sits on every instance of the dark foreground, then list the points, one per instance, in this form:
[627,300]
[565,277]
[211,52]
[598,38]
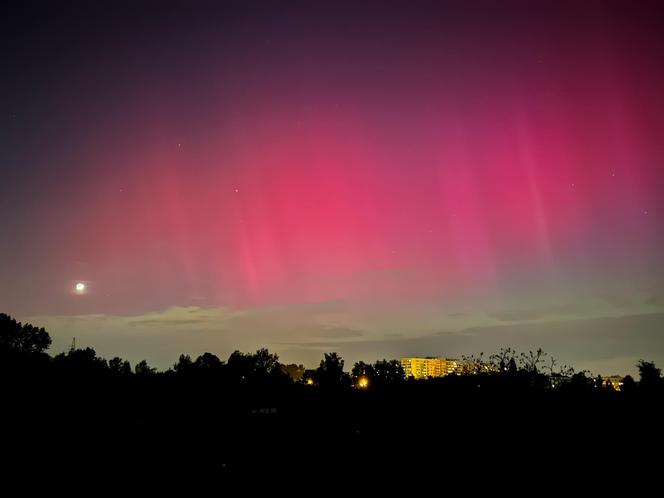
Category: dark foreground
[174,427]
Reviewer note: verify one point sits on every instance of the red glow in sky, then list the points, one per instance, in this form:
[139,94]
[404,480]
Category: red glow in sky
[397,158]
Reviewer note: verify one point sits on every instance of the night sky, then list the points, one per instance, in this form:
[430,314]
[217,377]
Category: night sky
[379,179]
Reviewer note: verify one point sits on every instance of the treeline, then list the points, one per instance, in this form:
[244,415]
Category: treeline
[23,351]
[251,413]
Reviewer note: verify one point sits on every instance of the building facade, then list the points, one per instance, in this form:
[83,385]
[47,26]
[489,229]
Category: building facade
[423,368]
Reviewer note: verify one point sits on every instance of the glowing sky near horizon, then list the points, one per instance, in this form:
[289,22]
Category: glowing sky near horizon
[401,156]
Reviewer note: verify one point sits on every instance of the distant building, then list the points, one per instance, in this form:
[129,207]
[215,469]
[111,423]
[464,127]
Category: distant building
[615,381]
[423,368]
[454,366]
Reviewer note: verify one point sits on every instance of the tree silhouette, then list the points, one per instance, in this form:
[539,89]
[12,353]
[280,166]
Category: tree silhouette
[82,362]
[474,365]
[119,366]
[531,360]
[628,384]
[511,366]
[207,362]
[265,363]
[362,369]
[650,375]
[330,372]
[388,372]
[503,359]
[581,381]
[240,366]
[22,338]
[257,367]
[552,365]
[184,365]
[142,368]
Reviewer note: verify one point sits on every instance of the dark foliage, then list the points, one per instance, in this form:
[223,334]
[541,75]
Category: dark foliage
[231,416]
[16,337]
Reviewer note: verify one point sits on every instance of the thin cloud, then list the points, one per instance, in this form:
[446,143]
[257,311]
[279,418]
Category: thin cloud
[528,314]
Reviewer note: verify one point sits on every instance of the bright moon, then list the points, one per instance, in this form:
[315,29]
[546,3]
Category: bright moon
[80,287]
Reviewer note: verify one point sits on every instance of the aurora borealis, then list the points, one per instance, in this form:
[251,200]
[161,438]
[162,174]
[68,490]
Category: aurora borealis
[375,178]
